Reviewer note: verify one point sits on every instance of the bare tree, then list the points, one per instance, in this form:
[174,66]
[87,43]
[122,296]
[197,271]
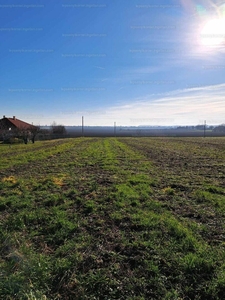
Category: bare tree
[22,133]
[220,128]
[58,129]
[27,133]
[34,131]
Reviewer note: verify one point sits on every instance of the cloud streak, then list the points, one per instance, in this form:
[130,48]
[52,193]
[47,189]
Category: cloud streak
[187,106]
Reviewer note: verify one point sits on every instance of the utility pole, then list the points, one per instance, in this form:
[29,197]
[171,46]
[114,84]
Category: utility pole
[82,125]
[115,129]
[204,128]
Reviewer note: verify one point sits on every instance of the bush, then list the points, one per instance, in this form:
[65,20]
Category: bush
[13,141]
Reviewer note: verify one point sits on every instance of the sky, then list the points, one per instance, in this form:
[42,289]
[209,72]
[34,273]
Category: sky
[133,62]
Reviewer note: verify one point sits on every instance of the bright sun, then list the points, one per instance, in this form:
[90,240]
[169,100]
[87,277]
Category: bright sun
[213,33]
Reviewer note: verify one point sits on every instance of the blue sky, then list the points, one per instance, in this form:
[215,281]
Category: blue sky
[134,62]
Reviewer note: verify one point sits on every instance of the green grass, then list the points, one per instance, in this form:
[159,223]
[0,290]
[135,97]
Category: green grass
[107,218]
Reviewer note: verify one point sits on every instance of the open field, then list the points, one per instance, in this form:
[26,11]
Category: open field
[113,218]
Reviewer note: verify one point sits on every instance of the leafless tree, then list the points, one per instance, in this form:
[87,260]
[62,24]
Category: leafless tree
[58,129]
[34,131]
[220,128]
[27,133]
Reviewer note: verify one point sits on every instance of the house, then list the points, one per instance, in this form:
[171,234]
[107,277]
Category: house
[13,127]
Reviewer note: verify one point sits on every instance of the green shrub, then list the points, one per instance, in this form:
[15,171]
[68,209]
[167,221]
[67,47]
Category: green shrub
[13,140]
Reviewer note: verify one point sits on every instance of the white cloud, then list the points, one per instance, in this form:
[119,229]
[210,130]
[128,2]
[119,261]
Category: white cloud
[190,106]
[187,106]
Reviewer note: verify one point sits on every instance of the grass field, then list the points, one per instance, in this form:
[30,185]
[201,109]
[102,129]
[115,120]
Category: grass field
[113,218]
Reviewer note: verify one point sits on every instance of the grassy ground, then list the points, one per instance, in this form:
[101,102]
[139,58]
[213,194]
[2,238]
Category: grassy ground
[107,218]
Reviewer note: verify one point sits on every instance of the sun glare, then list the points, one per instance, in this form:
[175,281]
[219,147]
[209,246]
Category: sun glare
[213,33]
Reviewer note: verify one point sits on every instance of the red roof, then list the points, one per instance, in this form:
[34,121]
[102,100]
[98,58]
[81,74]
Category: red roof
[18,123]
